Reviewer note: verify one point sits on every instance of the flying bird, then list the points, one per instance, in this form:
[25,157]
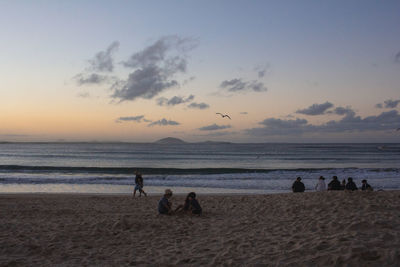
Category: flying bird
[223,115]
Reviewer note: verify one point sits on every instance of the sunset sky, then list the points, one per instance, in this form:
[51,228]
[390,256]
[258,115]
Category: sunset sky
[138,71]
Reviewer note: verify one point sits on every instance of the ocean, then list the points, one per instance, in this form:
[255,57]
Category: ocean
[204,167]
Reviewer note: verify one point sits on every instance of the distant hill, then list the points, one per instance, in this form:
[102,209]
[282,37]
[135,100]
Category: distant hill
[170,140]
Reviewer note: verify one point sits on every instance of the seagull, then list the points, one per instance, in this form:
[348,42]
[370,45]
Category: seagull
[223,115]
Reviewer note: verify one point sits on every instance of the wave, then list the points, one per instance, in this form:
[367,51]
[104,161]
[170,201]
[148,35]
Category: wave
[169,171]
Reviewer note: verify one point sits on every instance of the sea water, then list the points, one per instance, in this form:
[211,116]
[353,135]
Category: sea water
[205,167]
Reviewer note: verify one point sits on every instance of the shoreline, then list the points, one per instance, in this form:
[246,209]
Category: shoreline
[302,229]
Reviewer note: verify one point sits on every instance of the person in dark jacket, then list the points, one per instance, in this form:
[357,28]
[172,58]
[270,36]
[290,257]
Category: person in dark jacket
[191,205]
[334,184]
[351,186]
[298,186]
[365,186]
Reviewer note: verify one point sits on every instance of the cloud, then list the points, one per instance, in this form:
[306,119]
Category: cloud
[84,95]
[155,68]
[343,111]
[163,122]
[92,78]
[388,104]
[176,100]
[397,57]
[315,109]
[350,124]
[262,70]
[131,118]
[236,85]
[391,103]
[195,105]
[103,61]
[214,127]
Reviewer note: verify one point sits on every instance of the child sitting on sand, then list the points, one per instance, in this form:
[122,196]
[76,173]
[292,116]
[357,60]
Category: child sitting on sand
[191,205]
[164,205]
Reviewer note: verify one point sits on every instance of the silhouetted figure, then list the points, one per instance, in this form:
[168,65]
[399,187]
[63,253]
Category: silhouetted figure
[334,184]
[365,186]
[343,185]
[320,186]
[139,184]
[351,186]
[298,186]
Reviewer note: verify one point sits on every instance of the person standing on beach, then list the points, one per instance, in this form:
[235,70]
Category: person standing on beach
[320,186]
[164,205]
[351,186]
[334,184]
[298,186]
[139,184]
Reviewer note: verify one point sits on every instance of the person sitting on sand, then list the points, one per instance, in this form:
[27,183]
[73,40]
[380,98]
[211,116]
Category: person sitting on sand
[351,186]
[191,205]
[320,186]
[343,185]
[298,186]
[334,184]
[164,205]
[365,186]
[139,184]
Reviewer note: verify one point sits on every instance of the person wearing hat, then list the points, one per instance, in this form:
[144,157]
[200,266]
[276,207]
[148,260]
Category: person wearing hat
[298,186]
[164,205]
[320,186]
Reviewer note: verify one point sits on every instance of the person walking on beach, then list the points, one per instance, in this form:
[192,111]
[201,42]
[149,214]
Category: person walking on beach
[298,186]
[343,185]
[320,186]
[334,184]
[139,184]
[351,186]
[164,205]
[365,186]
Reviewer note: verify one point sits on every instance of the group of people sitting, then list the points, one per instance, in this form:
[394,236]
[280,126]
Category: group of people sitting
[298,186]
[191,205]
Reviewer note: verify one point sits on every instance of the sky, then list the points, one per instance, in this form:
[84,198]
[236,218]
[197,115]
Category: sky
[138,71]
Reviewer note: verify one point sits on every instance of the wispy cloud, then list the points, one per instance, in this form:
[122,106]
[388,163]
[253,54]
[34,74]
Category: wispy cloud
[103,61]
[131,118]
[214,127]
[176,100]
[397,57]
[237,85]
[390,103]
[315,109]
[92,78]
[164,122]
[195,105]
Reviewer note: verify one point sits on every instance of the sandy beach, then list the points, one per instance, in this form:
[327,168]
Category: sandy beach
[303,229]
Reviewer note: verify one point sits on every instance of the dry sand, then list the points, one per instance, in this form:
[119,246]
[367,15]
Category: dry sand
[303,229]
